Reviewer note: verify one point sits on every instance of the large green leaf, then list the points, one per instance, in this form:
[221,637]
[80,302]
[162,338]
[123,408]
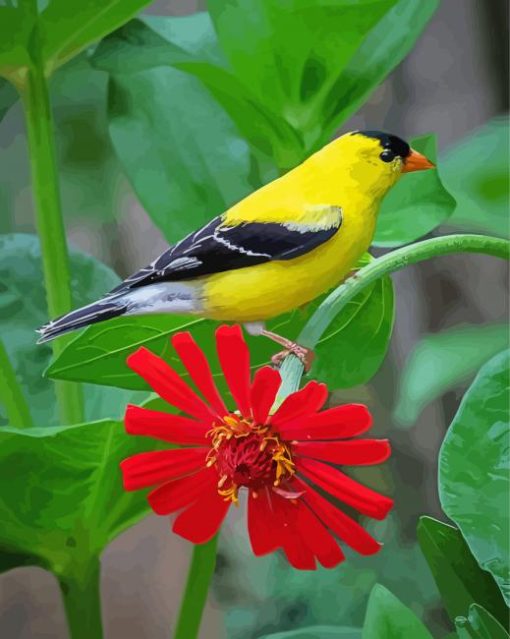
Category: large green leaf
[479,624]
[358,338]
[476,171]
[416,204]
[459,578]
[65,501]
[474,477]
[22,311]
[179,149]
[317,632]
[388,618]
[442,361]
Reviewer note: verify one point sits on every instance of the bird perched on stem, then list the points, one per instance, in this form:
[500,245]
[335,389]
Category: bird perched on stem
[279,248]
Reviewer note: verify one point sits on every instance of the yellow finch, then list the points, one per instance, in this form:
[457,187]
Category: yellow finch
[277,249]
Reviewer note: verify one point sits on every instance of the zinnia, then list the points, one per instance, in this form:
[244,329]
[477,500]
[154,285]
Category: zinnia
[276,457]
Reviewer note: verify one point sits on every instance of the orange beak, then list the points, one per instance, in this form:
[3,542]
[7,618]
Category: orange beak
[416,162]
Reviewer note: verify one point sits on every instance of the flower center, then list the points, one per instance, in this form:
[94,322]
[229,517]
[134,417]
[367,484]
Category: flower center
[247,454]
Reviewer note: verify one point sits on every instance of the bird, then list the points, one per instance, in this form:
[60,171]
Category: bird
[275,250]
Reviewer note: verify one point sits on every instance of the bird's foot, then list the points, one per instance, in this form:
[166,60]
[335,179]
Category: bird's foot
[305,355]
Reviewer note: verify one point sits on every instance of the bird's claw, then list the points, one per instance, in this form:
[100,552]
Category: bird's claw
[305,356]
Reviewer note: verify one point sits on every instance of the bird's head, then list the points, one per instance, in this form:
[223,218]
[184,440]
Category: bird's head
[374,160]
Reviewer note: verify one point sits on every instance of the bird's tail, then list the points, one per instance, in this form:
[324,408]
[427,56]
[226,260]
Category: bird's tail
[81,317]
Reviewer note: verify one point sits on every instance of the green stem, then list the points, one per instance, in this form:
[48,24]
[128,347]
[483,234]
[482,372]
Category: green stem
[200,574]
[82,602]
[292,368]
[11,395]
[50,226]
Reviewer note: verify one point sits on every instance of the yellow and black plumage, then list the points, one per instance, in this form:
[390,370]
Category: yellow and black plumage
[277,249]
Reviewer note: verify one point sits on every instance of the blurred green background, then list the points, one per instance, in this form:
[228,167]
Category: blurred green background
[455,83]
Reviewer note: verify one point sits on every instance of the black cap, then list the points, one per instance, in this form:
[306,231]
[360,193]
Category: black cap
[388,141]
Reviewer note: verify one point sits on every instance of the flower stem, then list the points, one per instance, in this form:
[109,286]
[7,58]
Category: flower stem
[200,574]
[82,602]
[292,368]
[11,395]
[50,226]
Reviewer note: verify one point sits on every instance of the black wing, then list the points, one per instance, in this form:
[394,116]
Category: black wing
[217,247]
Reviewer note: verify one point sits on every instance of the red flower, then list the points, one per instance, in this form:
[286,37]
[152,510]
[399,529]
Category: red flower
[276,457]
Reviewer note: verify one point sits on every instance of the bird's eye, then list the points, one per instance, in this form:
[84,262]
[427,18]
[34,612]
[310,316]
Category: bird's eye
[387,155]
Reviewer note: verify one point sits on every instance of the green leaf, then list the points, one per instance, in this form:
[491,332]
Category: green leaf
[428,373]
[22,311]
[388,42]
[476,172]
[459,578]
[179,149]
[8,97]
[317,632]
[15,29]
[416,205]
[65,502]
[388,618]
[480,624]
[474,470]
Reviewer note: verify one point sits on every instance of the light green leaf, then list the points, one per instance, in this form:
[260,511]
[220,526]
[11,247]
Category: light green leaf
[416,205]
[317,632]
[459,578]
[65,502]
[476,172]
[22,311]
[388,618]
[442,361]
[474,477]
[178,148]
[479,624]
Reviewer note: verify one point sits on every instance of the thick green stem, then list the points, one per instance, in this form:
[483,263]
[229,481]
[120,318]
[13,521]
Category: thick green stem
[82,602]
[195,595]
[11,395]
[292,368]
[50,225]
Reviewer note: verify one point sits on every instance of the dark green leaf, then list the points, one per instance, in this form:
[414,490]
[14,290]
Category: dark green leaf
[8,97]
[416,204]
[15,29]
[383,48]
[476,172]
[479,624]
[388,618]
[178,148]
[65,502]
[459,578]
[317,632]
[22,311]
[428,373]
[474,478]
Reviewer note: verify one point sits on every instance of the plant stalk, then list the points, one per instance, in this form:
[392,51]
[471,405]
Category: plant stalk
[11,395]
[292,369]
[50,226]
[200,574]
[82,602]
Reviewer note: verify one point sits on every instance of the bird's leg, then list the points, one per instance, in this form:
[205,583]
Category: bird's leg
[305,355]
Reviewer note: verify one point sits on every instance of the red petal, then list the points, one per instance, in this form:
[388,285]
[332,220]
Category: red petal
[261,528]
[322,544]
[164,426]
[265,385]
[351,453]
[302,403]
[339,422]
[363,499]
[175,494]
[234,358]
[346,529]
[167,383]
[197,366]
[297,552]
[149,469]
[202,520]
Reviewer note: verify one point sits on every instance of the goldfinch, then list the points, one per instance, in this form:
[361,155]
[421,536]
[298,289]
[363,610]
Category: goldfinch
[276,250]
